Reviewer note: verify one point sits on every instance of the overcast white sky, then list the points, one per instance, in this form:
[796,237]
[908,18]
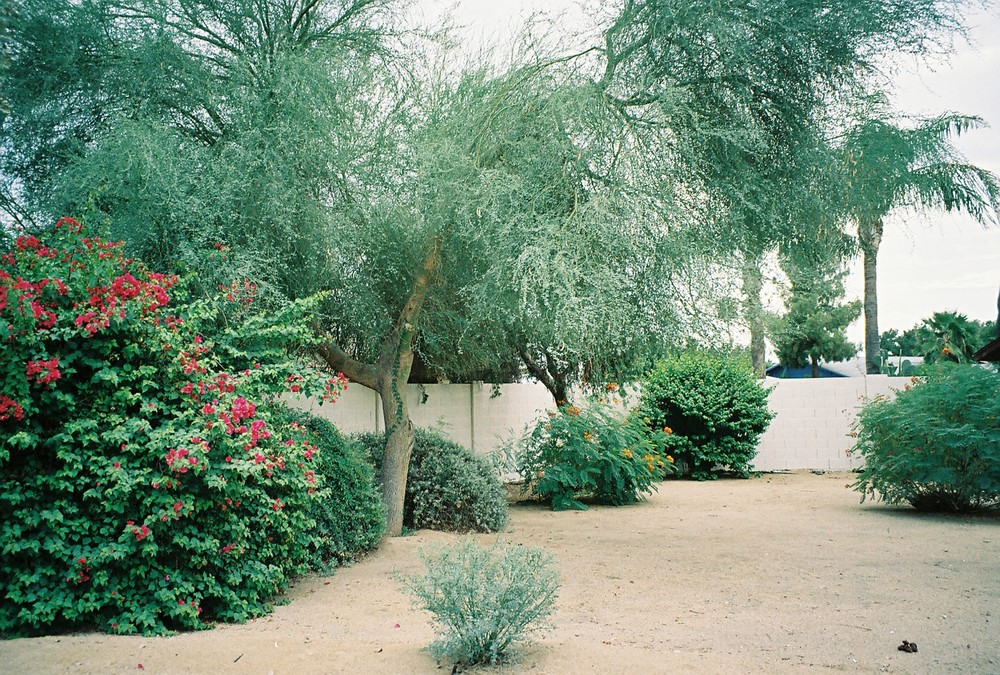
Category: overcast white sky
[928,263]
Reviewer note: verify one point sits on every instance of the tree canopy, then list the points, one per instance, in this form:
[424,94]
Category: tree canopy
[551,208]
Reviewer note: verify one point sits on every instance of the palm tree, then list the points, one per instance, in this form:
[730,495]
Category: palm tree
[947,336]
[916,167]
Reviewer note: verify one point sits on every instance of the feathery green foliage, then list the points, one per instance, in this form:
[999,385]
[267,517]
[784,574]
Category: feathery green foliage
[590,451]
[936,444]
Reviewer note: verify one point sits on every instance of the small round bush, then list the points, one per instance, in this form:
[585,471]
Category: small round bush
[713,407]
[484,599]
[350,519]
[591,451]
[936,445]
[448,487]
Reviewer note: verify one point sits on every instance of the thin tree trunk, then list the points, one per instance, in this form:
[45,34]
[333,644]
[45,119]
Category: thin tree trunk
[388,376]
[998,317]
[815,366]
[870,238]
[753,285]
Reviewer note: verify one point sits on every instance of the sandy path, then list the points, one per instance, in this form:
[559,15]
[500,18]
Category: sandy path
[783,573]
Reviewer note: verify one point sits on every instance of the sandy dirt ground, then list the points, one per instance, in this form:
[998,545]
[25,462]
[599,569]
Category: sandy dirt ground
[781,573]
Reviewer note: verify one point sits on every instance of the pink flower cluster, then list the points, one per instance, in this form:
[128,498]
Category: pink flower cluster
[140,532]
[44,372]
[9,408]
[177,456]
[29,294]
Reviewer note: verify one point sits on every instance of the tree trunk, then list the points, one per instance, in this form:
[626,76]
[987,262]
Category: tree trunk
[998,317]
[870,238]
[389,377]
[549,375]
[753,310]
[398,440]
[815,366]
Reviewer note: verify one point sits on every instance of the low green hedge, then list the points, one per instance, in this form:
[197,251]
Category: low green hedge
[936,444]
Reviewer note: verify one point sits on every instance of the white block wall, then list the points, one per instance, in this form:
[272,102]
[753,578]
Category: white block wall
[810,430]
[468,414]
[813,421]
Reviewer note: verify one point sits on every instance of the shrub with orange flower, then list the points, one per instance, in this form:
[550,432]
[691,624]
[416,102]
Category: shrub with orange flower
[590,451]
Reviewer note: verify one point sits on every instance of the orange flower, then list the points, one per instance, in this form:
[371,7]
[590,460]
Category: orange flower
[588,436]
[573,410]
[946,351]
[668,430]
[626,453]
[611,386]
[670,459]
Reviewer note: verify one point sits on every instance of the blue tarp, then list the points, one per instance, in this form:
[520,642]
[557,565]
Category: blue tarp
[798,373]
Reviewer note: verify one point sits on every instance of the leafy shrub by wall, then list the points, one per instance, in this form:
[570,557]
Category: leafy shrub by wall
[936,444]
[144,483]
[591,451]
[448,487]
[348,509]
[714,407]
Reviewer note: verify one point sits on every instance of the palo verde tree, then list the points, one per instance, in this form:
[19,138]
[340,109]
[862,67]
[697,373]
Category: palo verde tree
[510,235]
[435,218]
[258,128]
[892,166]
[194,124]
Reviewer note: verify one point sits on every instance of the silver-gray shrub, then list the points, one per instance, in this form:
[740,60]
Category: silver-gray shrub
[484,600]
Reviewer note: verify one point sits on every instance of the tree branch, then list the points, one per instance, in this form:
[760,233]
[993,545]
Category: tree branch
[356,371]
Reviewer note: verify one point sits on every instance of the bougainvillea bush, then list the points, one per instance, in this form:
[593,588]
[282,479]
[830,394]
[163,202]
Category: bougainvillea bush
[714,407]
[592,451]
[936,444]
[143,485]
[349,516]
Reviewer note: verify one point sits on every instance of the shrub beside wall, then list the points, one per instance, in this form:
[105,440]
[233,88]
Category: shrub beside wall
[348,508]
[592,451]
[145,483]
[936,445]
[448,487]
[713,407]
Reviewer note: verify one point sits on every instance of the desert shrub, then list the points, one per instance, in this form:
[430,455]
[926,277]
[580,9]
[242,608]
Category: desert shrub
[714,407]
[144,483]
[448,487]
[484,599]
[936,444]
[348,509]
[591,451]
